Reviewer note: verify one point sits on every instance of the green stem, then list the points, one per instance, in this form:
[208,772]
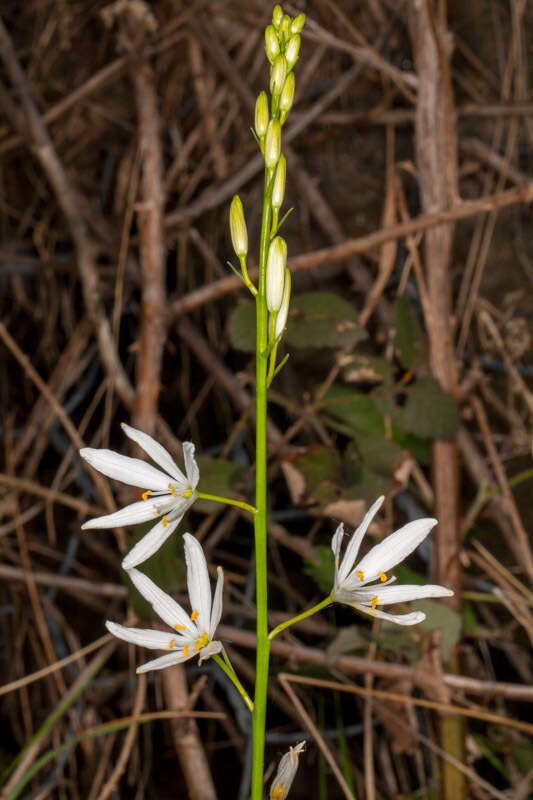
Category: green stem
[227,500]
[232,675]
[309,613]
[260,530]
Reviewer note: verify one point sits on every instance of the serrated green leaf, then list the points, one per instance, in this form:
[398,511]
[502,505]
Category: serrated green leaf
[379,454]
[429,412]
[242,327]
[363,482]
[322,319]
[323,570]
[217,476]
[354,409]
[320,468]
[419,448]
[409,340]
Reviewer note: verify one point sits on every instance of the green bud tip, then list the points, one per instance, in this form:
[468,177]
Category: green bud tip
[293,50]
[237,225]
[273,143]
[298,23]
[278,75]
[287,95]
[261,114]
[278,190]
[277,16]
[285,27]
[271,43]
[275,273]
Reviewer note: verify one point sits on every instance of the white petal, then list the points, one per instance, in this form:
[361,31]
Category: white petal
[126,469]
[336,547]
[355,542]
[167,660]
[198,582]
[129,515]
[287,769]
[400,593]
[156,451]
[155,640]
[216,611]
[191,467]
[394,548]
[399,619]
[209,650]
[148,545]
[163,604]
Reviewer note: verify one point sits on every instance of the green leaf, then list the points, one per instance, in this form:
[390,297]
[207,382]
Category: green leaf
[419,448]
[363,482]
[470,623]
[522,753]
[217,476]
[363,368]
[242,327]
[442,618]
[379,454]
[320,467]
[354,409]
[323,570]
[409,340]
[350,639]
[429,412]
[166,568]
[322,319]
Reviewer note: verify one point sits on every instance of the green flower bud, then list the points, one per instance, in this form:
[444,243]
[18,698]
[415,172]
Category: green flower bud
[287,96]
[237,226]
[293,49]
[281,319]
[278,190]
[275,273]
[298,23]
[285,28]
[273,143]
[278,75]
[261,114]
[277,16]
[271,43]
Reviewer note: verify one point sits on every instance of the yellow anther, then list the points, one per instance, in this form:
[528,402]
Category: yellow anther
[360,575]
[194,615]
[164,521]
[197,645]
[180,627]
[172,490]
[187,493]
[146,494]
[171,644]
[374,602]
[277,794]
[186,650]
[382,576]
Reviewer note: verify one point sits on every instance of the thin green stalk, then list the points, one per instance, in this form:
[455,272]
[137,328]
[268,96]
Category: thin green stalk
[260,531]
[227,500]
[232,675]
[310,611]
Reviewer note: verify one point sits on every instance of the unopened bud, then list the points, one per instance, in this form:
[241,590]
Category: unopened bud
[298,23]
[271,43]
[285,28]
[293,49]
[285,775]
[277,16]
[261,114]
[287,96]
[273,143]
[278,75]
[283,313]
[237,225]
[275,273]
[278,190]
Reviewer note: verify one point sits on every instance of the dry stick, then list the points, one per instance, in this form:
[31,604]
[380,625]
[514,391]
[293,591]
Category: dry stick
[32,128]
[362,244]
[526,558]
[436,160]
[23,485]
[314,731]
[351,665]
[76,586]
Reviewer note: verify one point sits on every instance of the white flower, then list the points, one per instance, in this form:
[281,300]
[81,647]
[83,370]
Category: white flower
[351,579]
[168,494]
[192,635]
[286,772]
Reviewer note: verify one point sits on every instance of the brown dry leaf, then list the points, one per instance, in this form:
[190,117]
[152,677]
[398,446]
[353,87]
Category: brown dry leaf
[349,511]
[295,482]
